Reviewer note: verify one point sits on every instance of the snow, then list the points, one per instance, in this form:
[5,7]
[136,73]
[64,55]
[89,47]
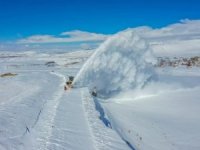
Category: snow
[138,106]
[21,111]
[67,126]
[120,63]
[103,135]
[150,109]
[160,118]
[36,113]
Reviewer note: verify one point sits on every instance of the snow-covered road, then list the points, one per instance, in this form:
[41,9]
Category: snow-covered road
[72,122]
[63,124]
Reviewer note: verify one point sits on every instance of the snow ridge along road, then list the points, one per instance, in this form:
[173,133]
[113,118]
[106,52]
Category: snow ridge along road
[104,137]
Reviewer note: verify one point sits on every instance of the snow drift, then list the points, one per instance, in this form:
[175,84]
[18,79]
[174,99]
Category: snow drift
[122,62]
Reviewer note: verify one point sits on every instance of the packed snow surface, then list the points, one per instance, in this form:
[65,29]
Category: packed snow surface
[122,62]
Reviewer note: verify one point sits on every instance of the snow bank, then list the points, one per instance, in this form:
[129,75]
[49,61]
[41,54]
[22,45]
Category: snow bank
[122,62]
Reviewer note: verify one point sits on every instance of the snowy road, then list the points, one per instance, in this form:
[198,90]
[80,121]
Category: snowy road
[66,124]
[74,124]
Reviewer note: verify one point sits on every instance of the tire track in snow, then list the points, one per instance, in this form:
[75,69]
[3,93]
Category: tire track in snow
[18,118]
[44,125]
[71,130]
[104,137]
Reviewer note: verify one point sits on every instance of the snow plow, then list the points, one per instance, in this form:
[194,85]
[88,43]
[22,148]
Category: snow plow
[68,84]
[94,92]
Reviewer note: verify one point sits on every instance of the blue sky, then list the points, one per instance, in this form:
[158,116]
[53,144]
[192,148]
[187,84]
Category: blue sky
[22,18]
[63,24]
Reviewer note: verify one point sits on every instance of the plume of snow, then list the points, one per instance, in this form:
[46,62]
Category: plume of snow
[120,63]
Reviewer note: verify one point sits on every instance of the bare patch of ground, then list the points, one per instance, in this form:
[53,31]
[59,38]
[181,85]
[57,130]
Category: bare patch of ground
[8,75]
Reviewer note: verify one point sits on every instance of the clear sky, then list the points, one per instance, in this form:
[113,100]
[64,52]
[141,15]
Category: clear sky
[22,18]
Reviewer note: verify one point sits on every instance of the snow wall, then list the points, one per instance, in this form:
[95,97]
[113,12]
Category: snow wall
[122,62]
